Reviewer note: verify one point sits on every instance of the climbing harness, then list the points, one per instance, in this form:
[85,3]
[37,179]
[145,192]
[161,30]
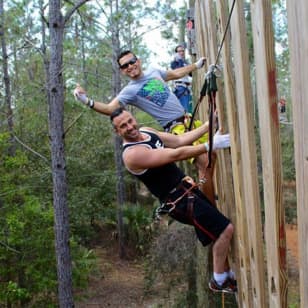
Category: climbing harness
[180,205]
[168,205]
[184,120]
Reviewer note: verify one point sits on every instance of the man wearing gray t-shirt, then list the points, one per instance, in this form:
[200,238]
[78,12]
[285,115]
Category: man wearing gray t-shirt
[147,90]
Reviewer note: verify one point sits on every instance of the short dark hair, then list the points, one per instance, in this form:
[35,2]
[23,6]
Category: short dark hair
[180,45]
[124,53]
[115,113]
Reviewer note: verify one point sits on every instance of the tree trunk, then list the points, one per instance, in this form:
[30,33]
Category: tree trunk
[44,49]
[116,82]
[56,131]
[6,81]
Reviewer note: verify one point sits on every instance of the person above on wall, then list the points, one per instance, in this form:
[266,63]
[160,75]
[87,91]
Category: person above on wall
[282,105]
[182,86]
[178,194]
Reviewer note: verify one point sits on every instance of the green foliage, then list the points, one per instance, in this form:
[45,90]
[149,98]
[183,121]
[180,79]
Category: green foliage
[13,293]
[174,23]
[13,171]
[27,258]
[137,221]
[248,26]
[27,254]
[288,168]
[170,263]
[287,149]
[84,263]
[91,174]
[282,48]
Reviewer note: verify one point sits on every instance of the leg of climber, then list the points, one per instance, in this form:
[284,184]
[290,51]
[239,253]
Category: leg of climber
[207,174]
[221,282]
[211,226]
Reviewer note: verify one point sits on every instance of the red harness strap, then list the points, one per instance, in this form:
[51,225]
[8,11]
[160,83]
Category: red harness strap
[187,191]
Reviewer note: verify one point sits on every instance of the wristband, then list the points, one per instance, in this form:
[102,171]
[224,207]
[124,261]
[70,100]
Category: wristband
[91,103]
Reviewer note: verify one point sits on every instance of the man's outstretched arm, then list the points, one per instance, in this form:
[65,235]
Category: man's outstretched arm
[104,108]
[134,156]
[175,141]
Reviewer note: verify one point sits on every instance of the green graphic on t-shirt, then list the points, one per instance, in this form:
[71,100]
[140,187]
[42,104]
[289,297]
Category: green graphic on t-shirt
[153,86]
[155,91]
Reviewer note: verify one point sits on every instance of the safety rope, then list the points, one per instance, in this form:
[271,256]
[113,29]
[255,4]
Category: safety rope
[225,33]
[212,89]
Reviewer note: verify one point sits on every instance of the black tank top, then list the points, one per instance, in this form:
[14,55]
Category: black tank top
[161,180]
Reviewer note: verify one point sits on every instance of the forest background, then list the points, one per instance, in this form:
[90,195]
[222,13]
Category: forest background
[61,174]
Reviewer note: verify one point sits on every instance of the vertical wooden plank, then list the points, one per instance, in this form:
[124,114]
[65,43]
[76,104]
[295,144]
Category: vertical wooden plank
[204,296]
[298,38]
[209,21]
[200,29]
[223,169]
[240,253]
[248,149]
[202,43]
[213,50]
[224,187]
[275,238]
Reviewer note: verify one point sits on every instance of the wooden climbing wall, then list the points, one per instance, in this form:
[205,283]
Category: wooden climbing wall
[259,246]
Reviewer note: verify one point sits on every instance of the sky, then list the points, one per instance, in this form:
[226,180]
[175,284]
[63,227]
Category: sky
[157,44]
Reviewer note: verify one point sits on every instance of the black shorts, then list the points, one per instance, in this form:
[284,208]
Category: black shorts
[208,221]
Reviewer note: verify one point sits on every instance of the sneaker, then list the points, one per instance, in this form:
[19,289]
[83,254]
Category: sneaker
[229,286]
[233,282]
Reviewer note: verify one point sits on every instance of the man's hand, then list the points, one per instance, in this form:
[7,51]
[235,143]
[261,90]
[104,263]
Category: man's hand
[80,95]
[200,62]
[219,141]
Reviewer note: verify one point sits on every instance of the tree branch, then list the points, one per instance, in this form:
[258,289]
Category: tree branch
[34,46]
[74,121]
[99,5]
[74,8]
[8,247]
[31,150]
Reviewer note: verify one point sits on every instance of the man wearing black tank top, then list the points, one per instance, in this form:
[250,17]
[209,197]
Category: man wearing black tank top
[150,155]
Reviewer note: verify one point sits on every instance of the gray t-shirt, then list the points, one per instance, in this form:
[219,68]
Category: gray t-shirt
[151,94]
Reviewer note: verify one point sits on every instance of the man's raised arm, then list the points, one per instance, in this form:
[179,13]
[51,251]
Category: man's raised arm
[81,95]
[185,70]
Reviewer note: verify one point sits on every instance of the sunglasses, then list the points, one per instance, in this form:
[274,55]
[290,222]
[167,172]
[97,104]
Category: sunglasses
[130,62]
